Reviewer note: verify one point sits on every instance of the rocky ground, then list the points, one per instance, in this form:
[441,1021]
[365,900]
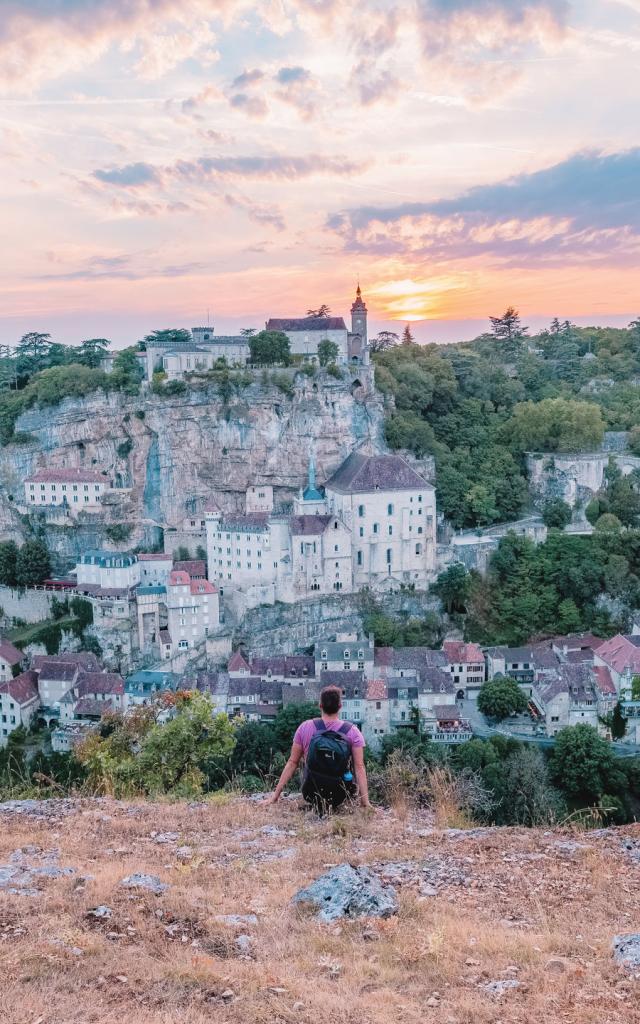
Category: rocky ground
[158,913]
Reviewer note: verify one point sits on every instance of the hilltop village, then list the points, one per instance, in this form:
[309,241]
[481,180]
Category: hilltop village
[268,530]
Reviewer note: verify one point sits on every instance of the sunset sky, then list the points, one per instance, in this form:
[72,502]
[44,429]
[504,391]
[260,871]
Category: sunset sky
[164,158]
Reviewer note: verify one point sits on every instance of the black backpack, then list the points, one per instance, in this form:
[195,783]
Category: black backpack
[329,753]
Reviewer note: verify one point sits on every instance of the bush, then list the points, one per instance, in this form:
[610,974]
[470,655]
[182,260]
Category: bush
[32,564]
[556,514]
[308,369]
[118,532]
[500,698]
[22,437]
[334,371]
[124,448]
[284,383]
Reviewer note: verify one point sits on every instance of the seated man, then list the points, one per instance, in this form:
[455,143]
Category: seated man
[333,751]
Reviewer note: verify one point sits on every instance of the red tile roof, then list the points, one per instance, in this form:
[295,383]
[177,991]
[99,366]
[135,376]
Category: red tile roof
[458,652]
[362,474]
[12,655]
[23,689]
[604,682]
[620,653]
[96,708]
[179,579]
[237,663]
[83,659]
[196,567]
[309,526]
[99,682]
[203,587]
[376,689]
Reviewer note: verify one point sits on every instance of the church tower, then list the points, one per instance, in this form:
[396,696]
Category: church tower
[359,318]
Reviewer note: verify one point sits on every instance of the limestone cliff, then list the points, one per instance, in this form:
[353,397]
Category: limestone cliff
[169,455]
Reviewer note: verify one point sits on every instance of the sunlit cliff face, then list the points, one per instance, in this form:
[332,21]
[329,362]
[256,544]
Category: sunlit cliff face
[159,159]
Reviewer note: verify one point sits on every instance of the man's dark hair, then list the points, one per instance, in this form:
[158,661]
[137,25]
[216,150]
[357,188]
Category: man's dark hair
[330,700]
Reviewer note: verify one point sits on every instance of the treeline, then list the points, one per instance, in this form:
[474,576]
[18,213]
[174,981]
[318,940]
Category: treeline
[478,407]
[498,781]
[41,372]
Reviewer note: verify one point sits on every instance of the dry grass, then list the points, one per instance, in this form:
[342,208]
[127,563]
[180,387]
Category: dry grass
[166,960]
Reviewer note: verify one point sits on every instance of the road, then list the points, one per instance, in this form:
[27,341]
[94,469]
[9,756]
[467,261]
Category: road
[483,730]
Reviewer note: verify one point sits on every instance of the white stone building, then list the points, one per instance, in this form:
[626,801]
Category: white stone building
[306,333]
[70,488]
[108,570]
[19,702]
[193,610]
[373,527]
[10,658]
[155,567]
[391,512]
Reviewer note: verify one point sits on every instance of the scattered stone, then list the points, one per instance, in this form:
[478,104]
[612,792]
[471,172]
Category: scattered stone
[632,848]
[184,853]
[429,875]
[150,883]
[297,1006]
[348,891]
[244,944]
[626,951]
[500,988]
[433,1001]
[227,995]
[17,877]
[101,913]
[164,837]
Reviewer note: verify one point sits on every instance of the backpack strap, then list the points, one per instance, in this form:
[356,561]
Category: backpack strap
[319,725]
[345,728]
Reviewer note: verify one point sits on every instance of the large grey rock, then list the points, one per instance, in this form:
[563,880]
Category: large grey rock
[150,883]
[348,891]
[626,950]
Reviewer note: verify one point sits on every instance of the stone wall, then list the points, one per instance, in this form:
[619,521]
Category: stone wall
[30,605]
[574,478]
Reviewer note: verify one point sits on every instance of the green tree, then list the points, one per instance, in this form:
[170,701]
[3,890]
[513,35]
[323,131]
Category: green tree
[583,765]
[31,354]
[127,372]
[523,791]
[92,351]
[618,723]
[254,749]
[453,587]
[173,757]
[556,513]
[509,331]
[383,341]
[500,698]
[556,424]
[8,563]
[328,352]
[407,336]
[287,721]
[322,311]
[32,564]
[270,347]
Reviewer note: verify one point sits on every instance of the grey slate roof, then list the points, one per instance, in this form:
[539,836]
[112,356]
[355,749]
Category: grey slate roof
[307,323]
[309,526]
[362,474]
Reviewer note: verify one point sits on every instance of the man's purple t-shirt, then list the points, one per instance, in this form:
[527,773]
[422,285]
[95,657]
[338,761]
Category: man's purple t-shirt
[306,731]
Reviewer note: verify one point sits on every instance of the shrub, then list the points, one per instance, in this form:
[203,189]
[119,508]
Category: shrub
[283,382]
[334,371]
[124,448]
[118,532]
[556,513]
[500,698]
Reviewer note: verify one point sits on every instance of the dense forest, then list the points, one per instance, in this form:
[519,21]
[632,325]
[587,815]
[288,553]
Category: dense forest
[477,407]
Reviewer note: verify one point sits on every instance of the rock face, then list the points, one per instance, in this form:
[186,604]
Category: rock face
[348,891]
[169,456]
[149,883]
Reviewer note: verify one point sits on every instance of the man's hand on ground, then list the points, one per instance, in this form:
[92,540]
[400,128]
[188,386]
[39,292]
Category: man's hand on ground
[271,799]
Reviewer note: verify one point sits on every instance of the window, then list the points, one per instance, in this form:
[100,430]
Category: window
[359,558]
[336,547]
[376,528]
[389,510]
[183,644]
[323,654]
[390,531]
[361,511]
[388,556]
[361,531]
[418,549]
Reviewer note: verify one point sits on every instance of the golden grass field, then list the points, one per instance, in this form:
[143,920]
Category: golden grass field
[537,909]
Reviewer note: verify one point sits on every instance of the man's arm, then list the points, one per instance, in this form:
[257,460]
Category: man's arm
[361,775]
[288,772]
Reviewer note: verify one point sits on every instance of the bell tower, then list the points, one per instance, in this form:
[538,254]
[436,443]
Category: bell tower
[359,318]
